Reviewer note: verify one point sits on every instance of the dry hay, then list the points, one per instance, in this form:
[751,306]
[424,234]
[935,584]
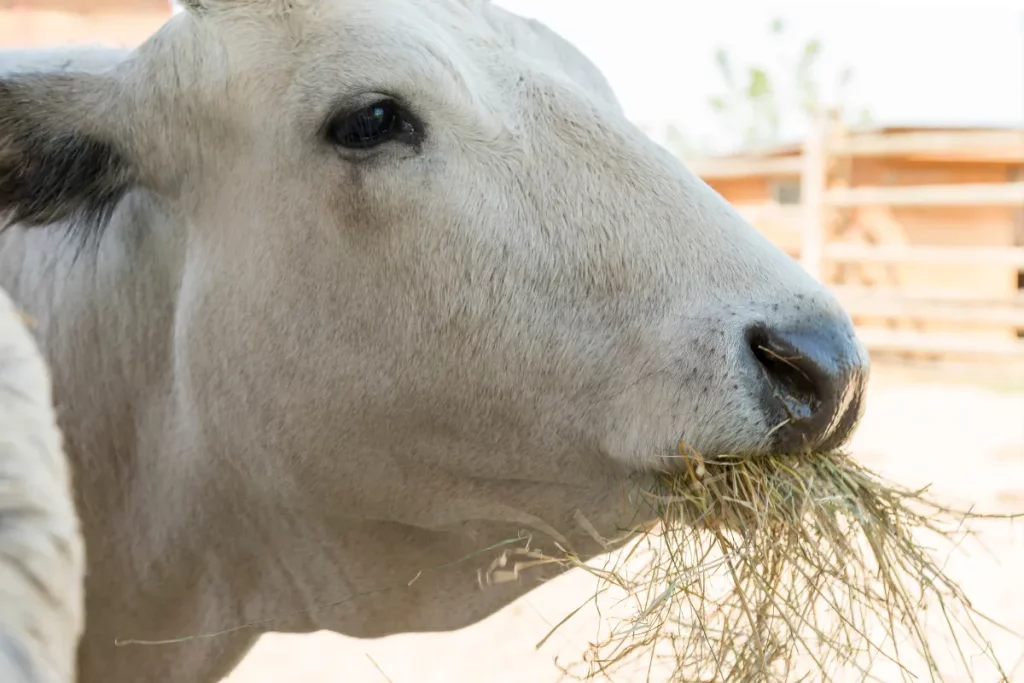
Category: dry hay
[801,568]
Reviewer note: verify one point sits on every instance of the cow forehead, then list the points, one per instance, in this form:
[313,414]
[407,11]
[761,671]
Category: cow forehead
[469,45]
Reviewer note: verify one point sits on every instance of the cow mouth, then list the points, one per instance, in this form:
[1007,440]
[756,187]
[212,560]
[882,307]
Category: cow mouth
[738,491]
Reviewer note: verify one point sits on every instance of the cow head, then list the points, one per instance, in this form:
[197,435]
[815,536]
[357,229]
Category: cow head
[425,271]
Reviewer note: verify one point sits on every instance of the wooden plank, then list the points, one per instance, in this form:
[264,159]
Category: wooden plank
[771,212]
[951,344]
[1016,174]
[1009,257]
[926,295]
[960,194]
[812,191]
[997,146]
[743,167]
[983,156]
[1009,316]
[989,144]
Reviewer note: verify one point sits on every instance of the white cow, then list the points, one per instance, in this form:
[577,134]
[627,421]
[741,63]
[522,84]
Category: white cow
[41,554]
[337,293]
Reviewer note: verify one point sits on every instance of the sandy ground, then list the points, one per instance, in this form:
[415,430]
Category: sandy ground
[966,440]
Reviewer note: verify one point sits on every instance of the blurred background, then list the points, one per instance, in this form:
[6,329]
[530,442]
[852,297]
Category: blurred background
[880,144]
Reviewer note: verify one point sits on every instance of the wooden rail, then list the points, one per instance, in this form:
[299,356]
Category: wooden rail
[992,145]
[980,194]
[740,167]
[949,306]
[775,213]
[944,311]
[940,344]
[1004,146]
[1010,257]
[927,295]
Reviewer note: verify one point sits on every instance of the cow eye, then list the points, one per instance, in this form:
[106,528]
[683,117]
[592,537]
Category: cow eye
[371,126]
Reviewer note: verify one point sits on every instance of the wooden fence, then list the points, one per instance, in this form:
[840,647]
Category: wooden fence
[809,238]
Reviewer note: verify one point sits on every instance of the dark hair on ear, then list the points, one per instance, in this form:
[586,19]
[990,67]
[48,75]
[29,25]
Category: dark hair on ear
[50,172]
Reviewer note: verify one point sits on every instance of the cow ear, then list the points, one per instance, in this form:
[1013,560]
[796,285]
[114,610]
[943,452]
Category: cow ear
[60,156]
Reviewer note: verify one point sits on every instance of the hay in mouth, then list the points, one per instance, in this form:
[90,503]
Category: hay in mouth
[780,569]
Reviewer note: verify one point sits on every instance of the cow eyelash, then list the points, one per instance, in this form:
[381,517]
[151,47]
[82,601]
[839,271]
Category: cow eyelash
[383,121]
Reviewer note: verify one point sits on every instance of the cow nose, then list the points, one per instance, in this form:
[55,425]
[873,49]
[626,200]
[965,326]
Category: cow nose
[814,382]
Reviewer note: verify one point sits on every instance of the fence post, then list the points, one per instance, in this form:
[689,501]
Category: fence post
[812,190]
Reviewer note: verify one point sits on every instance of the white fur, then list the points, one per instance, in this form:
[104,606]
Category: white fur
[41,555]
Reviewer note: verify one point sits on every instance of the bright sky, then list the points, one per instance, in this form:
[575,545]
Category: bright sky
[923,61]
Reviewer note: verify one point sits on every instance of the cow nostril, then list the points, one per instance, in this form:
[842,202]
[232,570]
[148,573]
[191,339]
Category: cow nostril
[812,384]
[794,380]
